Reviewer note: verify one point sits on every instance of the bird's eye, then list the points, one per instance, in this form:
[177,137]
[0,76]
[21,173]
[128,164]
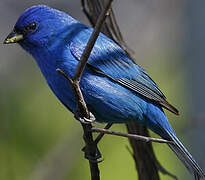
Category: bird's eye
[31,26]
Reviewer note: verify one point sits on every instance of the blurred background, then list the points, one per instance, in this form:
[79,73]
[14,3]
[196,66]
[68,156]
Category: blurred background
[39,138]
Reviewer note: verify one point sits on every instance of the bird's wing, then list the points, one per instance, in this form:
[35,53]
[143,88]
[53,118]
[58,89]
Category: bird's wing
[108,59]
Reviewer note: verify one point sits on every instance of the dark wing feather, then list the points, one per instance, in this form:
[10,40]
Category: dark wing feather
[108,59]
[148,93]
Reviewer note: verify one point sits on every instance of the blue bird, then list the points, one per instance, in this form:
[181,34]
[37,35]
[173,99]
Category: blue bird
[116,90]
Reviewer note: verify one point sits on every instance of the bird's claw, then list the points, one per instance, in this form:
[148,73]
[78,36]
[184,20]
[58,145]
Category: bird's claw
[85,120]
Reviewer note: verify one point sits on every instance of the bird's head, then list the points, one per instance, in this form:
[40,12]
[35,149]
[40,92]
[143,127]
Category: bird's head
[38,26]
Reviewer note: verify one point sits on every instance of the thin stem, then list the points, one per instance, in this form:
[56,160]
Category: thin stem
[131,136]
[100,136]
[82,110]
[86,53]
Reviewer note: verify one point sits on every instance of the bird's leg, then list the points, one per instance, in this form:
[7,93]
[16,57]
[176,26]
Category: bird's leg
[98,154]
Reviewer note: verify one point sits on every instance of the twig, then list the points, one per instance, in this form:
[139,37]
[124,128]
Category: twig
[100,136]
[91,146]
[87,13]
[82,110]
[91,42]
[147,166]
[131,136]
[92,9]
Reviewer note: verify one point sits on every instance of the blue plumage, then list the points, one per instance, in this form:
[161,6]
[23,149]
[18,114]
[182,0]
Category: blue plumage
[115,88]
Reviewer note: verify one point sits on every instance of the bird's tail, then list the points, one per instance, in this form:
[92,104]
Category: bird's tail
[186,158]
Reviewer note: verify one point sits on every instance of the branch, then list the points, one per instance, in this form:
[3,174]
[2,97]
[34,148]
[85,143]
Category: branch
[131,136]
[82,110]
[147,166]
[91,42]
[92,10]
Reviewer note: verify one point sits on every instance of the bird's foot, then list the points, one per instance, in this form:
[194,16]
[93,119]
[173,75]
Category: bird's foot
[95,158]
[85,120]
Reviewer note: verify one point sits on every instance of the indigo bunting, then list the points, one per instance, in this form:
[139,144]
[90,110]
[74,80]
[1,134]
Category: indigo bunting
[115,89]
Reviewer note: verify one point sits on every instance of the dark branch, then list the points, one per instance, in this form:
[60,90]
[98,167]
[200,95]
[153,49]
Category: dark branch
[147,166]
[87,13]
[143,154]
[82,110]
[91,42]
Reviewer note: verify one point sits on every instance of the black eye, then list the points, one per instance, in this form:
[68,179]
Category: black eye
[31,26]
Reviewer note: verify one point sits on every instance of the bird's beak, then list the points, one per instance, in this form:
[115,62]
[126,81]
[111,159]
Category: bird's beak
[13,37]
